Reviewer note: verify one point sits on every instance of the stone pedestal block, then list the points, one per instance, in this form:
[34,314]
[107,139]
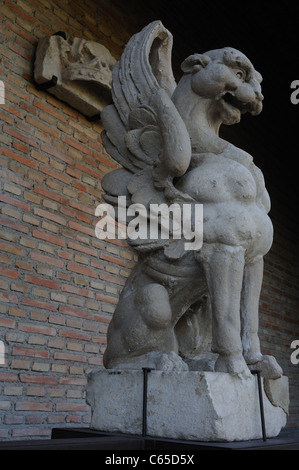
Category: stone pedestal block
[204,406]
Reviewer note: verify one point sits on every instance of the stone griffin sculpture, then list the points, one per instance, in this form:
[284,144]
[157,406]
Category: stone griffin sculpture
[165,136]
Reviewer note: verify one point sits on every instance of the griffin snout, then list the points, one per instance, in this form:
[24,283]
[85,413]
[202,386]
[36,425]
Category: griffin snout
[245,98]
[251,97]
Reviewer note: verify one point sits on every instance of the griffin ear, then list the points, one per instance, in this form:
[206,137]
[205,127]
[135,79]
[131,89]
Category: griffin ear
[194,63]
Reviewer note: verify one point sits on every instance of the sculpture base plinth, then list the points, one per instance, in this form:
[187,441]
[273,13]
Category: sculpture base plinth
[203,406]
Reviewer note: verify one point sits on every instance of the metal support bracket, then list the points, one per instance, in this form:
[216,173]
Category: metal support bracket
[49,84]
[146,371]
[94,118]
[259,383]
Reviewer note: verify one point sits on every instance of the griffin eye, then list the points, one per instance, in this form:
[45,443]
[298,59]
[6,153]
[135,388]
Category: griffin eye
[240,74]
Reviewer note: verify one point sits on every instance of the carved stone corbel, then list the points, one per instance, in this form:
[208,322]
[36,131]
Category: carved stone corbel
[75,70]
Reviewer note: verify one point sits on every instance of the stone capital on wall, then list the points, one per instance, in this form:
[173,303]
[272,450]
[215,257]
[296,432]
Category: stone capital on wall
[75,70]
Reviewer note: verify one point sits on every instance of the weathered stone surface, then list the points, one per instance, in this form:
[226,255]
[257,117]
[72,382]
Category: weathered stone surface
[268,366]
[205,406]
[166,137]
[278,392]
[83,70]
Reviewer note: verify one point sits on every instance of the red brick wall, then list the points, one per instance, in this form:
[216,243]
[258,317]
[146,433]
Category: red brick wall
[279,320]
[58,283]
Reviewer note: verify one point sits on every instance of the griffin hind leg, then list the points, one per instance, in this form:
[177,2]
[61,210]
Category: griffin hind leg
[141,333]
[194,334]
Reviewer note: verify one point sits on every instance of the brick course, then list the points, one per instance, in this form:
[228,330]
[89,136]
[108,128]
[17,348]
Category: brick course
[59,284]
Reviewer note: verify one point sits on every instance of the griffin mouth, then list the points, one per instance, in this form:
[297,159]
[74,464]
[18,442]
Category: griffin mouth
[233,101]
[253,107]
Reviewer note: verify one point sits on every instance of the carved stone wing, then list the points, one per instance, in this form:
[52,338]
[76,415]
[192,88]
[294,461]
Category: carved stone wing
[143,130]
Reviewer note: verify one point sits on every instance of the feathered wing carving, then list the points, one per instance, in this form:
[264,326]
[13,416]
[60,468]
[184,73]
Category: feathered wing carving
[143,129]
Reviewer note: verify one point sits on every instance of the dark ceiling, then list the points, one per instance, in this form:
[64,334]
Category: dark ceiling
[268,33]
